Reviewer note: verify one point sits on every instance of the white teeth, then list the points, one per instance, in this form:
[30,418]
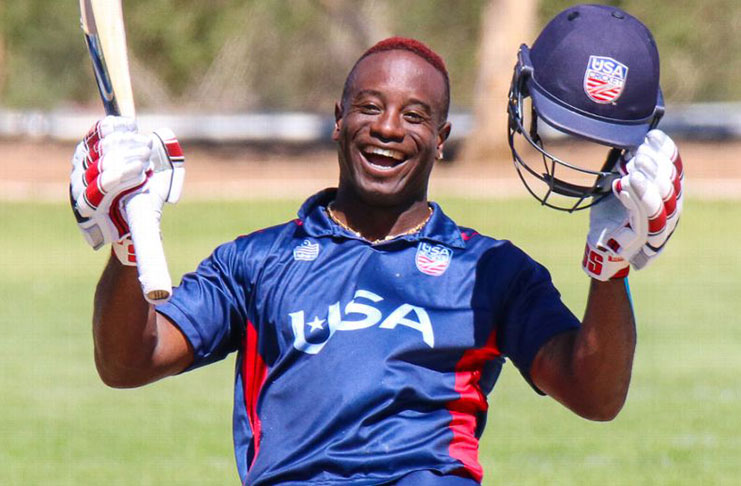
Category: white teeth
[386,153]
[380,167]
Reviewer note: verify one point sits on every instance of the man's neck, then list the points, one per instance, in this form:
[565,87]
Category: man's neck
[376,223]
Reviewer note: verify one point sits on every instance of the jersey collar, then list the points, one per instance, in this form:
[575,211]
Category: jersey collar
[315,221]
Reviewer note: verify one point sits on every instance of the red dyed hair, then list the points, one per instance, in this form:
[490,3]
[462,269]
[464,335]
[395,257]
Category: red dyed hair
[411,45]
[414,46]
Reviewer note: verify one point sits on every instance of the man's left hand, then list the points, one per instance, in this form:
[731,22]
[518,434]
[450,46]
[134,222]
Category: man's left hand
[632,225]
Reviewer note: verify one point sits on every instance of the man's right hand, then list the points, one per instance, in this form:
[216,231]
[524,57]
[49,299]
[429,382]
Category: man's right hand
[112,163]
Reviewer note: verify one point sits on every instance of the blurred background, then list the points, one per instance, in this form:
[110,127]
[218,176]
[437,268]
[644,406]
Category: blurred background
[236,56]
[249,86]
[246,57]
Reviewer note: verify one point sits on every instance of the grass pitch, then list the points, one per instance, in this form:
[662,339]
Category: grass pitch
[60,425]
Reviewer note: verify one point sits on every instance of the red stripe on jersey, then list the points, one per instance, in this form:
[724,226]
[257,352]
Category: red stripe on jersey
[465,446]
[463,411]
[254,372]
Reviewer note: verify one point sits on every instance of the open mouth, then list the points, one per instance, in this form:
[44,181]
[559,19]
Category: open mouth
[383,159]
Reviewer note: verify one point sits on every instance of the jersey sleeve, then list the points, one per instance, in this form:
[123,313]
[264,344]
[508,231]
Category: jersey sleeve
[534,313]
[209,305]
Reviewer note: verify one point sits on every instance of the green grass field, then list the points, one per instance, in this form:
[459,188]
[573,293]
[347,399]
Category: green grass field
[60,425]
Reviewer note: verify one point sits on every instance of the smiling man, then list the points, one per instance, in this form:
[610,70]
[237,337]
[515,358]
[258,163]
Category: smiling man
[390,127]
[368,331]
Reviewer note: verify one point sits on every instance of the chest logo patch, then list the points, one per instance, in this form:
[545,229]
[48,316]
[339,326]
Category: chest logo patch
[306,251]
[604,79]
[432,259]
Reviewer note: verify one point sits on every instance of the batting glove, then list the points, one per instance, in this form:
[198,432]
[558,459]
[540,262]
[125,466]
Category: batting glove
[632,225]
[111,164]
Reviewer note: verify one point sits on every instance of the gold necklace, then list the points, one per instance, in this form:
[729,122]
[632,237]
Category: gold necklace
[333,217]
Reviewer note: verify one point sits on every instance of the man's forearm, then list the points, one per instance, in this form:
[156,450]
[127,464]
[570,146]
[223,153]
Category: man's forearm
[605,345]
[589,370]
[124,328]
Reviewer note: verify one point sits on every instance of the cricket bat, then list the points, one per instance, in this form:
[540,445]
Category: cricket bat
[102,23]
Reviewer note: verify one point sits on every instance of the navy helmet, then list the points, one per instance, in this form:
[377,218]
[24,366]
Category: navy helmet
[593,73]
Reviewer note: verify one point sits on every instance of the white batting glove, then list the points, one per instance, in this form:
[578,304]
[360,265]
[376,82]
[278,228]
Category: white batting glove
[658,158]
[112,163]
[632,225]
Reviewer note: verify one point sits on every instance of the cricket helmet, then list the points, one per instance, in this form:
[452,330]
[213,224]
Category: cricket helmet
[592,73]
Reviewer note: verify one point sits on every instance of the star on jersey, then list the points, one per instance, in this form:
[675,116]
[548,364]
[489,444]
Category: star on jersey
[316,324]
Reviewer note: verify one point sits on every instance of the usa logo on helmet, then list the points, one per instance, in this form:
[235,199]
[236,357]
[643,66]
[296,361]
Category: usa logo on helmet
[604,79]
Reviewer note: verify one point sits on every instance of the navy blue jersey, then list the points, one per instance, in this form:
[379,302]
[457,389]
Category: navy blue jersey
[360,362]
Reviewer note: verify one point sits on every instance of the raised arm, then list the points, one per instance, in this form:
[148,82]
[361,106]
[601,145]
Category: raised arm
[133,344]
[589,370]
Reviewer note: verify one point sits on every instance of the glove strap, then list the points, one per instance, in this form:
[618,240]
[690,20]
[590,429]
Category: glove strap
[602,265]
[125,252]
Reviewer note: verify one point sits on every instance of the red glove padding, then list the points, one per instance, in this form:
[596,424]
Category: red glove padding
[659,159]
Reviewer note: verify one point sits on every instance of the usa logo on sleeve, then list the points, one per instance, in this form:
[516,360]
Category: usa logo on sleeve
[604,79]
[432,259]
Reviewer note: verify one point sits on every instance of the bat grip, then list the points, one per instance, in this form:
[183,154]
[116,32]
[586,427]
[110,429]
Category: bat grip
[150,256]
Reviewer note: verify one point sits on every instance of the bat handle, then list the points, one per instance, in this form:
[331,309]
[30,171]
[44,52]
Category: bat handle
[150,256]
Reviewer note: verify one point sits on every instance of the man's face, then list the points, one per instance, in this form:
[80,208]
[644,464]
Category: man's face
[390,128]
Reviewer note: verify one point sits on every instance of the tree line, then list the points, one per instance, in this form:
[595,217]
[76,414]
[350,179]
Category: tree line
[239,55]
